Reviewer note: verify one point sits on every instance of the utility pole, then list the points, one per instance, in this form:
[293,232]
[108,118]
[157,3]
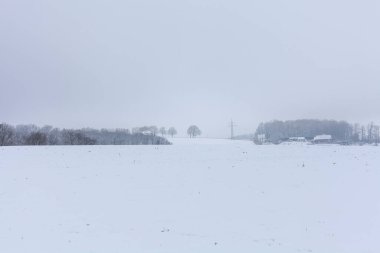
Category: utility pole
[232,124]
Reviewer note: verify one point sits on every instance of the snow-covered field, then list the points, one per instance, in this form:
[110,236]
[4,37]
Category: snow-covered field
[194,196]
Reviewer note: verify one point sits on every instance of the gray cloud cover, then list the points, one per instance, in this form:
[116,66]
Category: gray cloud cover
[130,63]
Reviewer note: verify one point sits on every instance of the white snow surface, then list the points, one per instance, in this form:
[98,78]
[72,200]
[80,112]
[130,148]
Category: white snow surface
[198,195]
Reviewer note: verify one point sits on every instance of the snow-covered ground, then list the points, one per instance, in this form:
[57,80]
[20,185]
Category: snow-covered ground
[194,196]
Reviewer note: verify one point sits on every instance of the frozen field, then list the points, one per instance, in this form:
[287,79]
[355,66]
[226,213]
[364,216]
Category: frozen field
[194,196]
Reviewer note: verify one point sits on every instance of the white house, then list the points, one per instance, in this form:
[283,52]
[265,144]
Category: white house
[297,139]
[323,138]
[261,138]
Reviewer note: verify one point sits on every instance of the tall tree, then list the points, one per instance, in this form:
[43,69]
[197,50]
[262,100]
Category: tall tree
[172,131]
[37,138]
[193,131]
[7,134]
[162,131]
[154,130]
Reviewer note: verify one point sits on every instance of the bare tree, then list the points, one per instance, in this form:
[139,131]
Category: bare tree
[136,130]
[193,131]
[370,129]
[36,138]
[68,137]
[73,137]
[162,131]
[46,129]
[376,133]
[82,139]
[23,131]
[172,131]
[154,130]
[356,132]
[54,136]
[7,134]
[363,136]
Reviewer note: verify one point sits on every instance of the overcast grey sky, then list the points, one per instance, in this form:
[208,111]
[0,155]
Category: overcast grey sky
[122,63]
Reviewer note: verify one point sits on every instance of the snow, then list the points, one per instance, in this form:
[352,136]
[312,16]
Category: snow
[197,195]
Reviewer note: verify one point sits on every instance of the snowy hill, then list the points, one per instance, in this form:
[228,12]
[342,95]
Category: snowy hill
[197,195]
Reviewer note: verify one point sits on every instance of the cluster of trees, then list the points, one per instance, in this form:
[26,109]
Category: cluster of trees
[366,134]
[193,131]
[341,131]
[47,135]
[154,130]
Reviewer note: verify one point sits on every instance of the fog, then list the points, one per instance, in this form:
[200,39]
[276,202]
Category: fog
[175,63]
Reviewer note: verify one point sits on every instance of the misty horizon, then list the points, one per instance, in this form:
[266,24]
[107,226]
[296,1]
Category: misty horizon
[131,63]
[183,132]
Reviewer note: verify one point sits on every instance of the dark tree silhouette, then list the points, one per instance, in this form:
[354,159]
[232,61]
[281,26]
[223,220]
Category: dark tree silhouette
[193,131]
[37,138]
[7,134]
[172,131]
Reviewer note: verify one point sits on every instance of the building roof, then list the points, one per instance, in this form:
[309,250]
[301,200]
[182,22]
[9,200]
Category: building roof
[323,137]
[297,138]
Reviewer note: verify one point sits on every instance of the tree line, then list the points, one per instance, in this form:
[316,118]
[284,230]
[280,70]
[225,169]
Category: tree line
[193,131]
[341,131]
[48,135]
[154,130]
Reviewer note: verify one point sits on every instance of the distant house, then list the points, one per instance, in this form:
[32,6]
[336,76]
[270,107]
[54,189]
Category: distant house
[297,139]
[147,132]
[261,138]
[324,138]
